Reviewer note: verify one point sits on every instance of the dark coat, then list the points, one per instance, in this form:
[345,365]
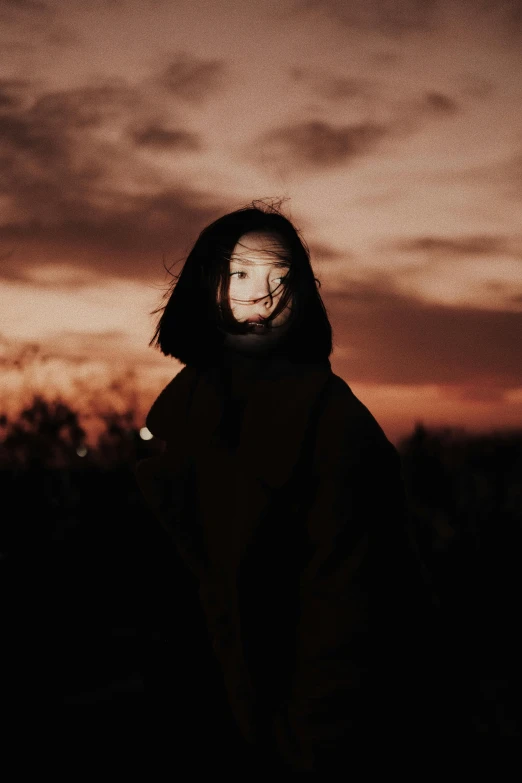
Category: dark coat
[317,606]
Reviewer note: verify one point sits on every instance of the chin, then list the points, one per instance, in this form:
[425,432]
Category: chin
[256,342]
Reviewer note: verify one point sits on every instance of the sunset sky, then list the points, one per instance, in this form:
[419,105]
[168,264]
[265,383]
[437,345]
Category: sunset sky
[392,129]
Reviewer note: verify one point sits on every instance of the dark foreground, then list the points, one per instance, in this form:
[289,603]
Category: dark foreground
[103,635]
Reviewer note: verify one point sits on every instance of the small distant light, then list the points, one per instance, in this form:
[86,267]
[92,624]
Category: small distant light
[81,451]
[145,434]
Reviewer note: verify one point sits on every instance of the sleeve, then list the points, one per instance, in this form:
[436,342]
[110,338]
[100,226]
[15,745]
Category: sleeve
[165,480]
[328,694]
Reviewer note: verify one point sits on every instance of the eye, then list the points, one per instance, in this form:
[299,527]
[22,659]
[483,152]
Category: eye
[237,273]
[281,280]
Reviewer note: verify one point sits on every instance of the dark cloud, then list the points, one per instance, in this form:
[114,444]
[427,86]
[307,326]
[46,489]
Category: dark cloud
[191,78]
[20,135]
[27,25]
[7,100]
[12,93]
[385,59]
[485,393]
[26,5]
[331,86]
[86,107]
[154,135]
[24,19]
[504,175]
[396,18]
[483,244]
[373,95]
[324,252]
[6,256]
[319,145]
[50,164]
[128,238]
[470,84]
[440,103]
[47,145]
[389,16]
[411,115]
[68,203]
[398,339]
[62,37]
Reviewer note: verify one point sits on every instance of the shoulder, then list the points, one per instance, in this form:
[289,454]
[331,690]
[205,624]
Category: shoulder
[347,427]
[166,409]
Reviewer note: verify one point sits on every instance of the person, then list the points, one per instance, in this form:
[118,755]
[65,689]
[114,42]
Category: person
[286,502]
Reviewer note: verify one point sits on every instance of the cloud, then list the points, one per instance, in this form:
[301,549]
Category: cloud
[396,18]
[388,16]
[481,244]
[50,158]
[504,174]
[318,144]
[73,347]
[27,25]
[395,338]
[476,86]
[27,5]
[482,270]
[440,103]
[156,136]
[333,87]
[326,253]
[126,239]
[376,115]
[33,25]
[480,394]
[79,347]
[44,141]
[75,190]
[372,97]
[10,92]
[191,78]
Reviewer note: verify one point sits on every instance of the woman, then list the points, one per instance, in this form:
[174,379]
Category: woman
[285,500]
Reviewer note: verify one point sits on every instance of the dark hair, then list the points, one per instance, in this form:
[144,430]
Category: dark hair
[193,322]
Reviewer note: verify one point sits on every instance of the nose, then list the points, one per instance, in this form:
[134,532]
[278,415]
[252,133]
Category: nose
[265,300]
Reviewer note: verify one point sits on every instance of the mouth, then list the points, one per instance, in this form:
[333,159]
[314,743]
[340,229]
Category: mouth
[257,326]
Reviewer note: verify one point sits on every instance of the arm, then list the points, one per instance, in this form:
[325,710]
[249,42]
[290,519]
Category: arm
[328,697]
[165,480]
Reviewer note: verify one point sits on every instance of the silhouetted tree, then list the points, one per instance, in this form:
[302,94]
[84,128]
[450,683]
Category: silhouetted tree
[47,434]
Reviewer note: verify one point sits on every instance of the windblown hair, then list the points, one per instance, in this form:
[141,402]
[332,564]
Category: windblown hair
[197,313]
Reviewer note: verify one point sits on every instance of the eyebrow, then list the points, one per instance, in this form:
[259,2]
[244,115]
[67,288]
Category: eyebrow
[245,262]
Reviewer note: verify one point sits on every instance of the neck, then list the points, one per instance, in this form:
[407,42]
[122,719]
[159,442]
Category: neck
[251,363]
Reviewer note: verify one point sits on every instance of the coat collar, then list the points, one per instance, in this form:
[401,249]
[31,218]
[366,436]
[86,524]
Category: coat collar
[236,489]
[188,412]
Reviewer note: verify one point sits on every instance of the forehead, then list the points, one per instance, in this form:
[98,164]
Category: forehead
[259,248]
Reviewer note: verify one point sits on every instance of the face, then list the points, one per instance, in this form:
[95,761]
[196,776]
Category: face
[256,286]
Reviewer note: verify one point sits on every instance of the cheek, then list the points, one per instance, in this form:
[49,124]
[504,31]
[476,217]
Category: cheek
[236,292]
[232,297]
